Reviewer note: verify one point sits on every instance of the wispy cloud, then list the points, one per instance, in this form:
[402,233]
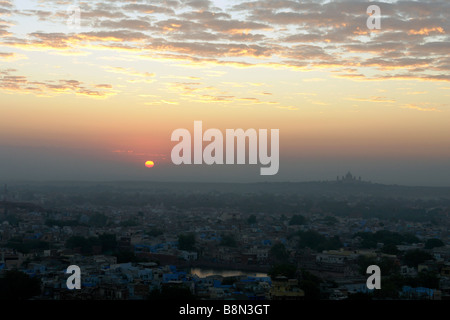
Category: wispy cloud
[129,72]
[375,99]
[12,83]
[420,108]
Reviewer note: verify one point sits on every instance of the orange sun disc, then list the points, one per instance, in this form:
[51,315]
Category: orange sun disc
[149,164]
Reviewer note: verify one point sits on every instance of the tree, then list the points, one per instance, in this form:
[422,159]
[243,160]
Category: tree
[98,220]
[370,240]
[390,249]
[297,219]
[108,242]
[413,257]
[154,232]
[278,252]
[228,240]
[129,223]
[16,285]
[251,219]
[128,256]
[330,220]
[186,241]
[77,242]
[433,243]
[388,265]
[12,219]
[28,245]
[314,240]
[283,269]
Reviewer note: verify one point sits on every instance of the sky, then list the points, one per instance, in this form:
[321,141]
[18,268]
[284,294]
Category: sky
[96,100]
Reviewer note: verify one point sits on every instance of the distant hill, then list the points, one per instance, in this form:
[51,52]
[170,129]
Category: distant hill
[315,188]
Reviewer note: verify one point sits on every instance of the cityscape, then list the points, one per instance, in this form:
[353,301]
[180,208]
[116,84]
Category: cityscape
[286,241]
[246,151]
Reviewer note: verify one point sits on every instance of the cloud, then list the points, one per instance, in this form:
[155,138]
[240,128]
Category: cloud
[6,55]
[427,31]
[132,24]
[416,92]
[150,8]
[289,108]
[21,84]
[129,72]
[303,35]
[198,92]
[199,4]
[419,108]
[373,99]
[12,56]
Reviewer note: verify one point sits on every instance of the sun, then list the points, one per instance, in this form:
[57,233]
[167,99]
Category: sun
[149,164]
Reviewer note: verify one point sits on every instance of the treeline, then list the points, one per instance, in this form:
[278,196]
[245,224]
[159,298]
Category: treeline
[63,223]
[277,203]
[316,241]
[370,240]
[107,243]
[104,243]
[27,245]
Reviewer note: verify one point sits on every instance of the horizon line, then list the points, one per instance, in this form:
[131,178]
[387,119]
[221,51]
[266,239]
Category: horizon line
[7,182]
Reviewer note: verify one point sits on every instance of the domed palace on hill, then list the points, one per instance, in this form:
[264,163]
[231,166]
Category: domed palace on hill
[348,178]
